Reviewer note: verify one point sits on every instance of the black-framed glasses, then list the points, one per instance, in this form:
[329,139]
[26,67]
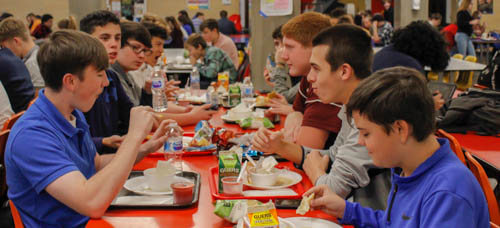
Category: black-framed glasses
[138,50]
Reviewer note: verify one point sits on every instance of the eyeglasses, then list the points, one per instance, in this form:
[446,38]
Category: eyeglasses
[138,50]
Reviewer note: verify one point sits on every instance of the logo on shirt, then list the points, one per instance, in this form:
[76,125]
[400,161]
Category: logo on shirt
[406,217]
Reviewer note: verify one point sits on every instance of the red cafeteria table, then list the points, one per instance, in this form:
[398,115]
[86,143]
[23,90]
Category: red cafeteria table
[199,215]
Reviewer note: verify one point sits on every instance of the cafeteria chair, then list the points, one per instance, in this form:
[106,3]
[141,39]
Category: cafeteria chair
[12,120]
[493,225]
[432,76]
[482,178]
[18,223]
[3,183]
[464,79]
[446,76]
[454,144]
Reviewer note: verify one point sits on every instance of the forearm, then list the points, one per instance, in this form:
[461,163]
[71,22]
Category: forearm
[181,119]
[174,108]
[360,216]
[98,192]
[291,152]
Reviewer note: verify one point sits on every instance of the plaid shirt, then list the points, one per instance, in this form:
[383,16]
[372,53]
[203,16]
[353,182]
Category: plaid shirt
[214,62]
[385,34]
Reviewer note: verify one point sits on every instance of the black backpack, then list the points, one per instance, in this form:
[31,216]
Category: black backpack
[490,76]
[475,110]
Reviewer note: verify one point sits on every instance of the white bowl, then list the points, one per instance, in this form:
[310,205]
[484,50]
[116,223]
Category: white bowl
[259,179]
[158,182]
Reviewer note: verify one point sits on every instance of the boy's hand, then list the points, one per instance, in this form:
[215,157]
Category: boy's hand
[171,87]
[113,141]
[157,139]
[327,201]
[315,165]
[438,100]
[202,112]
[141,121]
[267,141]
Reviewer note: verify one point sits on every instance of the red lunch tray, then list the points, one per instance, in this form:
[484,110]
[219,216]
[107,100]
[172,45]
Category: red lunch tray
[299,188]
[186,153]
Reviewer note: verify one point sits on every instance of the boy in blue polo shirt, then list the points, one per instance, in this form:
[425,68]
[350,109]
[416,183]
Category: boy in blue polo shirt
[394,112]
[55,176]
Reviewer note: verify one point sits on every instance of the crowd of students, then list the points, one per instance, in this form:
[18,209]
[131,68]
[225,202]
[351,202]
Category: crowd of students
[359,124]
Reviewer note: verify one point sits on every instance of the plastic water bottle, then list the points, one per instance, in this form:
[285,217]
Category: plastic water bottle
[212,97]
[173,146]
[247,91]
[158,89]
[195,81]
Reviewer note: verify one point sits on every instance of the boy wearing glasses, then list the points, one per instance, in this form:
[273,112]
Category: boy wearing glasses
[135,46]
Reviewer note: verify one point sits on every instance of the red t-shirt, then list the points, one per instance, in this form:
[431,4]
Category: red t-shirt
[316,113]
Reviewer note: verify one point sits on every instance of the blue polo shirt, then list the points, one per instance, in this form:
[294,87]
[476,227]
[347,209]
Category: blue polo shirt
[42,147]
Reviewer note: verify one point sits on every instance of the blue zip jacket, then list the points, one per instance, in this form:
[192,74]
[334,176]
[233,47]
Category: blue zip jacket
[441,192]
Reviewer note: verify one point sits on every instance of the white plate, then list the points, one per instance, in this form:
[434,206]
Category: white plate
[226,119]
[283,223]
[295,177]
[138,185]
[311,222]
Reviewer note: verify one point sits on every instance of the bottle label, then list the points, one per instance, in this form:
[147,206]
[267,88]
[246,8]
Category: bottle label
[248,91]
[173,146]
[195,79]
[157,84]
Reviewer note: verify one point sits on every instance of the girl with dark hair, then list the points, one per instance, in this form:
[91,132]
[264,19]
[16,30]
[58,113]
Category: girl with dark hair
[185,21]
[177,40]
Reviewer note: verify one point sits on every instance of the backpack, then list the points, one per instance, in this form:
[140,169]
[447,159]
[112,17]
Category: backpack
[490,76]
[475,110]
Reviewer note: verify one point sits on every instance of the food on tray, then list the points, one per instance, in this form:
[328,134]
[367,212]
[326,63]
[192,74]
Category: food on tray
[305,204]
[255,123]
[261,216]
[233,210]
[241,111]
[203,135]
[264,101]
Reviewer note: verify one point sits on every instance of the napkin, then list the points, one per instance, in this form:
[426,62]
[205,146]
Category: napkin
[144,200]
[273,192]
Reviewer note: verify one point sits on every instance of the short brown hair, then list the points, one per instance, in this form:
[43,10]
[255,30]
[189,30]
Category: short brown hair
[11,27]
[303,28]
[396,93]
[69,51]
[196,40]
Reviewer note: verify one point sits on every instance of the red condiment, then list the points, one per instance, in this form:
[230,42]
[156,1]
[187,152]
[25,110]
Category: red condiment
[183,192]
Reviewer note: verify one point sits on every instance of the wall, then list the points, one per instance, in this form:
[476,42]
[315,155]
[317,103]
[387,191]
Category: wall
[404,15]
[492,20]
[261,41]
[358,4]
[20,8]
[165,8]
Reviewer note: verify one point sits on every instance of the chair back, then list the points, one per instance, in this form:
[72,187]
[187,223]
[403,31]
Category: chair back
[464,79]
[458,56]
[3,182]
[482,178]
[450,76]
[18,223]
[12,120]
[454,144]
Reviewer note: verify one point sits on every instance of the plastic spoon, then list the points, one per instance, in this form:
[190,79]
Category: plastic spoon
[243,168]
[251,160]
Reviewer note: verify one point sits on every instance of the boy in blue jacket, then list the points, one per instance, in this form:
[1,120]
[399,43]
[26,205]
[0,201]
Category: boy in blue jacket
[394,112]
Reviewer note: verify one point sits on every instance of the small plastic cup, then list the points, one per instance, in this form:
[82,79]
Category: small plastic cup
[231,187]
[182,191]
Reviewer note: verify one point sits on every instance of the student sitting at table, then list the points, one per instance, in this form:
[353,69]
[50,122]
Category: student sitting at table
[313,123]
[277,76]
[55,176]
[108,118]
[212,35]
[394,112]
[212,60]
[341,58]
[15,35]
[135,45]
